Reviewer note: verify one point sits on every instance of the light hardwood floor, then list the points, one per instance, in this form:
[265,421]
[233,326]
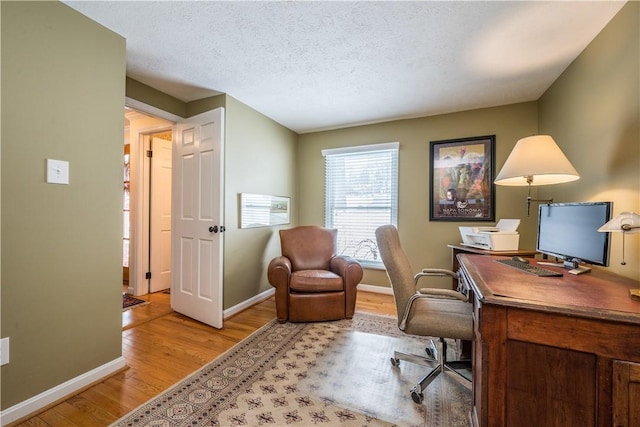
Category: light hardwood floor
[161,347]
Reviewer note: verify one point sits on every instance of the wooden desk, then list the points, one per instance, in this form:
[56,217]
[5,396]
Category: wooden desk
[461,249]
[552,351]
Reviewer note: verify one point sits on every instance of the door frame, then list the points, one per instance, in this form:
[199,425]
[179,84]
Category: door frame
[139,243]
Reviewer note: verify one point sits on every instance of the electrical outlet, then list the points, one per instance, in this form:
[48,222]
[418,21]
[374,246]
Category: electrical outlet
[4,351]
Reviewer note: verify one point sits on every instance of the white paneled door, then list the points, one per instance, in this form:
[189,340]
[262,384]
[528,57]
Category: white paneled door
[197,234]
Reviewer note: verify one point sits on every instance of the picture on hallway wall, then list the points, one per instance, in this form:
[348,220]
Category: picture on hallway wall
[461,173]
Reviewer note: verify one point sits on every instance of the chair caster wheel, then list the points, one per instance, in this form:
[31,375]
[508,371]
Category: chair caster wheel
[395,362]
[432,350]
[417,396]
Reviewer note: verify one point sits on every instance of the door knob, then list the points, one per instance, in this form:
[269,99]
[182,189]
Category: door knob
[213,229]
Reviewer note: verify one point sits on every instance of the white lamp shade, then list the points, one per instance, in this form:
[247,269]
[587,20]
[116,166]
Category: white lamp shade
[630,219]
[536,160]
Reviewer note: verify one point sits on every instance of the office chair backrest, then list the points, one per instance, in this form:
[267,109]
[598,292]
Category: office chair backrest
[397,265]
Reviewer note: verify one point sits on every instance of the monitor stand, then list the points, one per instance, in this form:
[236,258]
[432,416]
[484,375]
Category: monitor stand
[579,270]
[575,267]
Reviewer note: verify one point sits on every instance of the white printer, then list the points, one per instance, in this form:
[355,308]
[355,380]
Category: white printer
[503,237]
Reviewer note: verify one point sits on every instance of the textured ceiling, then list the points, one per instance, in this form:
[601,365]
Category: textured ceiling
[318,65]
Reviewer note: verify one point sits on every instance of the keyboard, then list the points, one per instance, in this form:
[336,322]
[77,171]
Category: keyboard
[531,269]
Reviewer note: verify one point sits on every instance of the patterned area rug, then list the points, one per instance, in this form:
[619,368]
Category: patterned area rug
[129,302]
[330,373]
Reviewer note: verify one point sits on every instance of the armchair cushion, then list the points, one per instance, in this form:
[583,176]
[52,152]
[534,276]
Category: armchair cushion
[315,281]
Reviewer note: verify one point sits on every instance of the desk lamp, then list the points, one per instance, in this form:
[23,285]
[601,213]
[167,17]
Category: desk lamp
[627,223]
[536,160]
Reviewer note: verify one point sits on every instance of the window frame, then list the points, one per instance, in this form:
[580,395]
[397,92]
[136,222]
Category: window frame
[336,154]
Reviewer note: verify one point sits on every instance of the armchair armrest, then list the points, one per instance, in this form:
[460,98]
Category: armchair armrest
[279,271]
[346,266]
[351,272]
[278,274]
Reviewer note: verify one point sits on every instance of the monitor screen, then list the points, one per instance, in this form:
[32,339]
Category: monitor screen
[570,231]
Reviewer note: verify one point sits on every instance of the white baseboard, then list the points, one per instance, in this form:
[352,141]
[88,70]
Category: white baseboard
[375,289]
[248,303]
[60,392]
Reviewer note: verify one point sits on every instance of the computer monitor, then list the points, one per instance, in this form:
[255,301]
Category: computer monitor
[569,231]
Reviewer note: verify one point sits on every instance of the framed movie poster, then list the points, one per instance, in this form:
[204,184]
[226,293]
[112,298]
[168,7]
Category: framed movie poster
[461,173]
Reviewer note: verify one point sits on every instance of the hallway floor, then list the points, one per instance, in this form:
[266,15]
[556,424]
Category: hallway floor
[160,306]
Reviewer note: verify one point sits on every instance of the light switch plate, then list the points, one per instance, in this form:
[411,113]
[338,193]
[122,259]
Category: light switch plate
[57,171]
[4,351]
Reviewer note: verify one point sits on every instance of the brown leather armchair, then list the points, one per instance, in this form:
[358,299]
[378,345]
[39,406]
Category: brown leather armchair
[313,283]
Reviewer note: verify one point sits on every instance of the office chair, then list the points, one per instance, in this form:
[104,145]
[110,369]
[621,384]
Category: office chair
[429,312]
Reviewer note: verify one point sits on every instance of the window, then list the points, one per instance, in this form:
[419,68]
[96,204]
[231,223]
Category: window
[361,194]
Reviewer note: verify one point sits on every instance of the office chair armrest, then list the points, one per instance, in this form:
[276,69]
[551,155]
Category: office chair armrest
[438,292]
[442,293]
[435,272]
[433,293]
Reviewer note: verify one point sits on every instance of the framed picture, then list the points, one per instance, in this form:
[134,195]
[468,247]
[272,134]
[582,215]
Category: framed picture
[263,210]
[461,173]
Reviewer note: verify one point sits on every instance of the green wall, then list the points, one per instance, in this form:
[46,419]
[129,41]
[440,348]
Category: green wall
[260,157]
[63,84]
[148,95]
[194,108]
[424,241]
[593,112]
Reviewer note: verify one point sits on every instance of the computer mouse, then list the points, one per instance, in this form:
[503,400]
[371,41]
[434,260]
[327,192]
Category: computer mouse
[520,259]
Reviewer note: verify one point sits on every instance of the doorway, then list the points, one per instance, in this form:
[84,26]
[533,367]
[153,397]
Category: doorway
[197,180]
[146,203]
[159,204]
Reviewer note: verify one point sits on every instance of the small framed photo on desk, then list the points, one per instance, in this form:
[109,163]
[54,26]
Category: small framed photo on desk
[461,179]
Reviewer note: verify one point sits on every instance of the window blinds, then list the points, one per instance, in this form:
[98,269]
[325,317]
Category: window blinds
[361,193]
